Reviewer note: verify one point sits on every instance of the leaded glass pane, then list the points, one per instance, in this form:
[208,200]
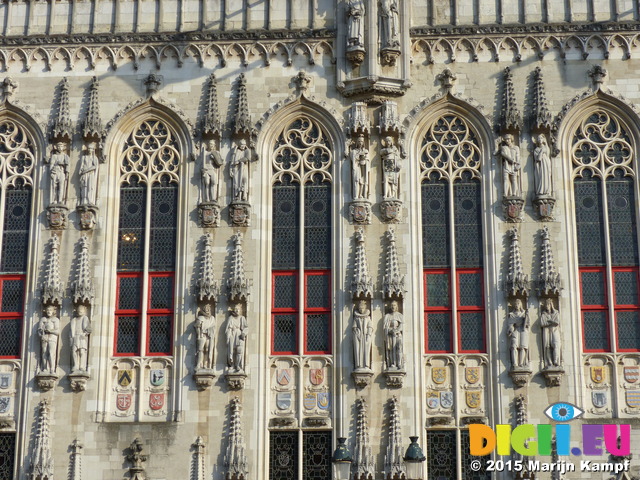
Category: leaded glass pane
[162,247]
[317,294]
[7,455]
[284,333]
[469,473]
[622,220]
[435,224]
[593,288]
[468,226]
[595,331]
[317,226]
[626,284]
[283,455]
[10,337]
[15,237]
[160,334]
[316,456]
[318,332]
[285,245]
[441,455]
[133,201]
[589,221]
[161,293]
[439,332]
[472,331]
[128,334]
[470,289]
[129,292]
[438,294]
[285,294]
[12,295]
[628,325]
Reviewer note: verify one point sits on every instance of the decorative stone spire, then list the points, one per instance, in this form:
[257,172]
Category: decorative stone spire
[447,79]
[517,283]
[393,283]
[207,286]
[362,284]
[541,116]
[75,470]
[363,463]
[53,290]
[521,409]
[597,74]
[358,120]
[242,121]
[42,463]
[198,446]
[236,459]
[92,124]
[394,466]
[62,128]
[136,457]
[83,291]
[389,120]
[510,119]
[238,285]
[211,124]
[549,281]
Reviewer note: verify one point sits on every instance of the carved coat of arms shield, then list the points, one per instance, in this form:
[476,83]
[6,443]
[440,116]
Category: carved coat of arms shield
[599,399]
[472,374]
[316,376]
[473,399]
[631,373]
[439,375]
[633,398]
[283,376]
[4,404]
[123,401]
[283,400]
[446,399]
[156,401]
[323,400]
[433,400]
[597,374]
[157,377]
[309,401]
[125,377]
[5,380]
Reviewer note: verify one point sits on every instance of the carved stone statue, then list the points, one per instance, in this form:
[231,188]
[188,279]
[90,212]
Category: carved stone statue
[389,24]
[240,171]
[360,169]
[511,167]
[390,168]
[393,340]
[550,322]
[355,28]
[89,175]
[518,335]
[205,338]
[49,331]
[58,165]
[80,330]
[236,336]
[542,158]
[210,166]
[362,336]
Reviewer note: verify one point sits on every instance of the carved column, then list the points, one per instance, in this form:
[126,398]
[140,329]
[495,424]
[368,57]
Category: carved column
[357,154]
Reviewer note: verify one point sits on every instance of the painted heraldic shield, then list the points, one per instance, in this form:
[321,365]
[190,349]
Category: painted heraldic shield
[123,401]
[472,374]
[597,374]
[631,373]
[433,400]
[439,374]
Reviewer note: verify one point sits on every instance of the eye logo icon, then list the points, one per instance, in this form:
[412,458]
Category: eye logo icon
[563,412]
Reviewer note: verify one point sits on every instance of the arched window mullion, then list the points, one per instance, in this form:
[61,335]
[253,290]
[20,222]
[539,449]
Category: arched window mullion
[455,333]
[613,343]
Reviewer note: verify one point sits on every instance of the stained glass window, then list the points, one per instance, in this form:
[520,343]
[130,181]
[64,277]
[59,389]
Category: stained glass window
[283,455]
[7,455]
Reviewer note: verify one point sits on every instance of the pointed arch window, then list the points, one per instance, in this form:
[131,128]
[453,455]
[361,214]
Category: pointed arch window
[149,163]
[301,243]
[606,227]
[450,160]
[17,158]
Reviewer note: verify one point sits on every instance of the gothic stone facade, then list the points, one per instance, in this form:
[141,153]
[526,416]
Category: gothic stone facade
[236,231]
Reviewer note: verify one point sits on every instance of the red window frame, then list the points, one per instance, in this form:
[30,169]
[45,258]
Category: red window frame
[470,308]
[595,308]
[13,315]
[617,308]
[283,310]
[437,309]
[126,313]
[314,310]
[159,312]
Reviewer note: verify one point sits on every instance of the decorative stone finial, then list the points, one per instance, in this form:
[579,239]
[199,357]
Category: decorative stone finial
[92,124]
[238,285]
[75,470]
[362,284]
[597,74]
[211,126]
[236,459]
[9,87]
[510,119]
[83,291]
[53,290]
[521,409]
[242,120]
[136,457]
[207,287]
[549,281]
[389,121]
[393,283]
[517,283]
[42,459]
[394,467]
[447,80]
[62,128]
[358,120]
[363,463]
[199,447]
[152,83]
[540,114]
[303,82]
